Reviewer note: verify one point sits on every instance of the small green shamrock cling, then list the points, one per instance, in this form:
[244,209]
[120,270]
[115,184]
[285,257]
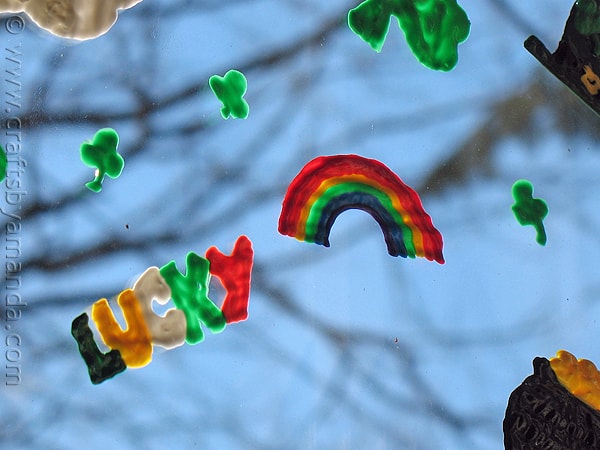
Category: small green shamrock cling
[433,28]
[529,210]
[101,153]
[230,89]
[3,163]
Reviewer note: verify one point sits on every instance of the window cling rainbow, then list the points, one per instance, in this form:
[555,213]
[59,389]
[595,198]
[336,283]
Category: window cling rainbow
[132,346]
[330,185]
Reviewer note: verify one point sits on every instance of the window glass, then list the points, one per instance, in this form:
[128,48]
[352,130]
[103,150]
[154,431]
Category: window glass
[344,346]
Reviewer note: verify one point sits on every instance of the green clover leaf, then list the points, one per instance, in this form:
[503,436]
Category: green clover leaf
[230,89]
[101,153]
[433,28]
[529,210]
[3,163]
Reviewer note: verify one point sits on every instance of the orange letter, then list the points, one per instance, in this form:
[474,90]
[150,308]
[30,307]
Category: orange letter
[134,343]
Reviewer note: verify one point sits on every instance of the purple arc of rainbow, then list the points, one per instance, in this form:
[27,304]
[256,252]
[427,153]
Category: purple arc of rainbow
[330,185]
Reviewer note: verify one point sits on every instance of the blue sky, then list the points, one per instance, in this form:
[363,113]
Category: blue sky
[345,347]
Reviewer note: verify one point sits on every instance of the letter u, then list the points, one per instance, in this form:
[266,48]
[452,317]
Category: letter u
[134,343]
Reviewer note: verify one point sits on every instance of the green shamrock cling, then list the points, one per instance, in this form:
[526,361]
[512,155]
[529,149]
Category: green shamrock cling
[3,163]
[433,28]
[101,153]
[230,89]
[529,210]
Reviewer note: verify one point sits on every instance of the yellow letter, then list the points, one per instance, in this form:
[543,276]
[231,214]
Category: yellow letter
[134,342]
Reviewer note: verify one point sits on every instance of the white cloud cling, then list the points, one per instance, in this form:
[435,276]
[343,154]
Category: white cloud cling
[73,19]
